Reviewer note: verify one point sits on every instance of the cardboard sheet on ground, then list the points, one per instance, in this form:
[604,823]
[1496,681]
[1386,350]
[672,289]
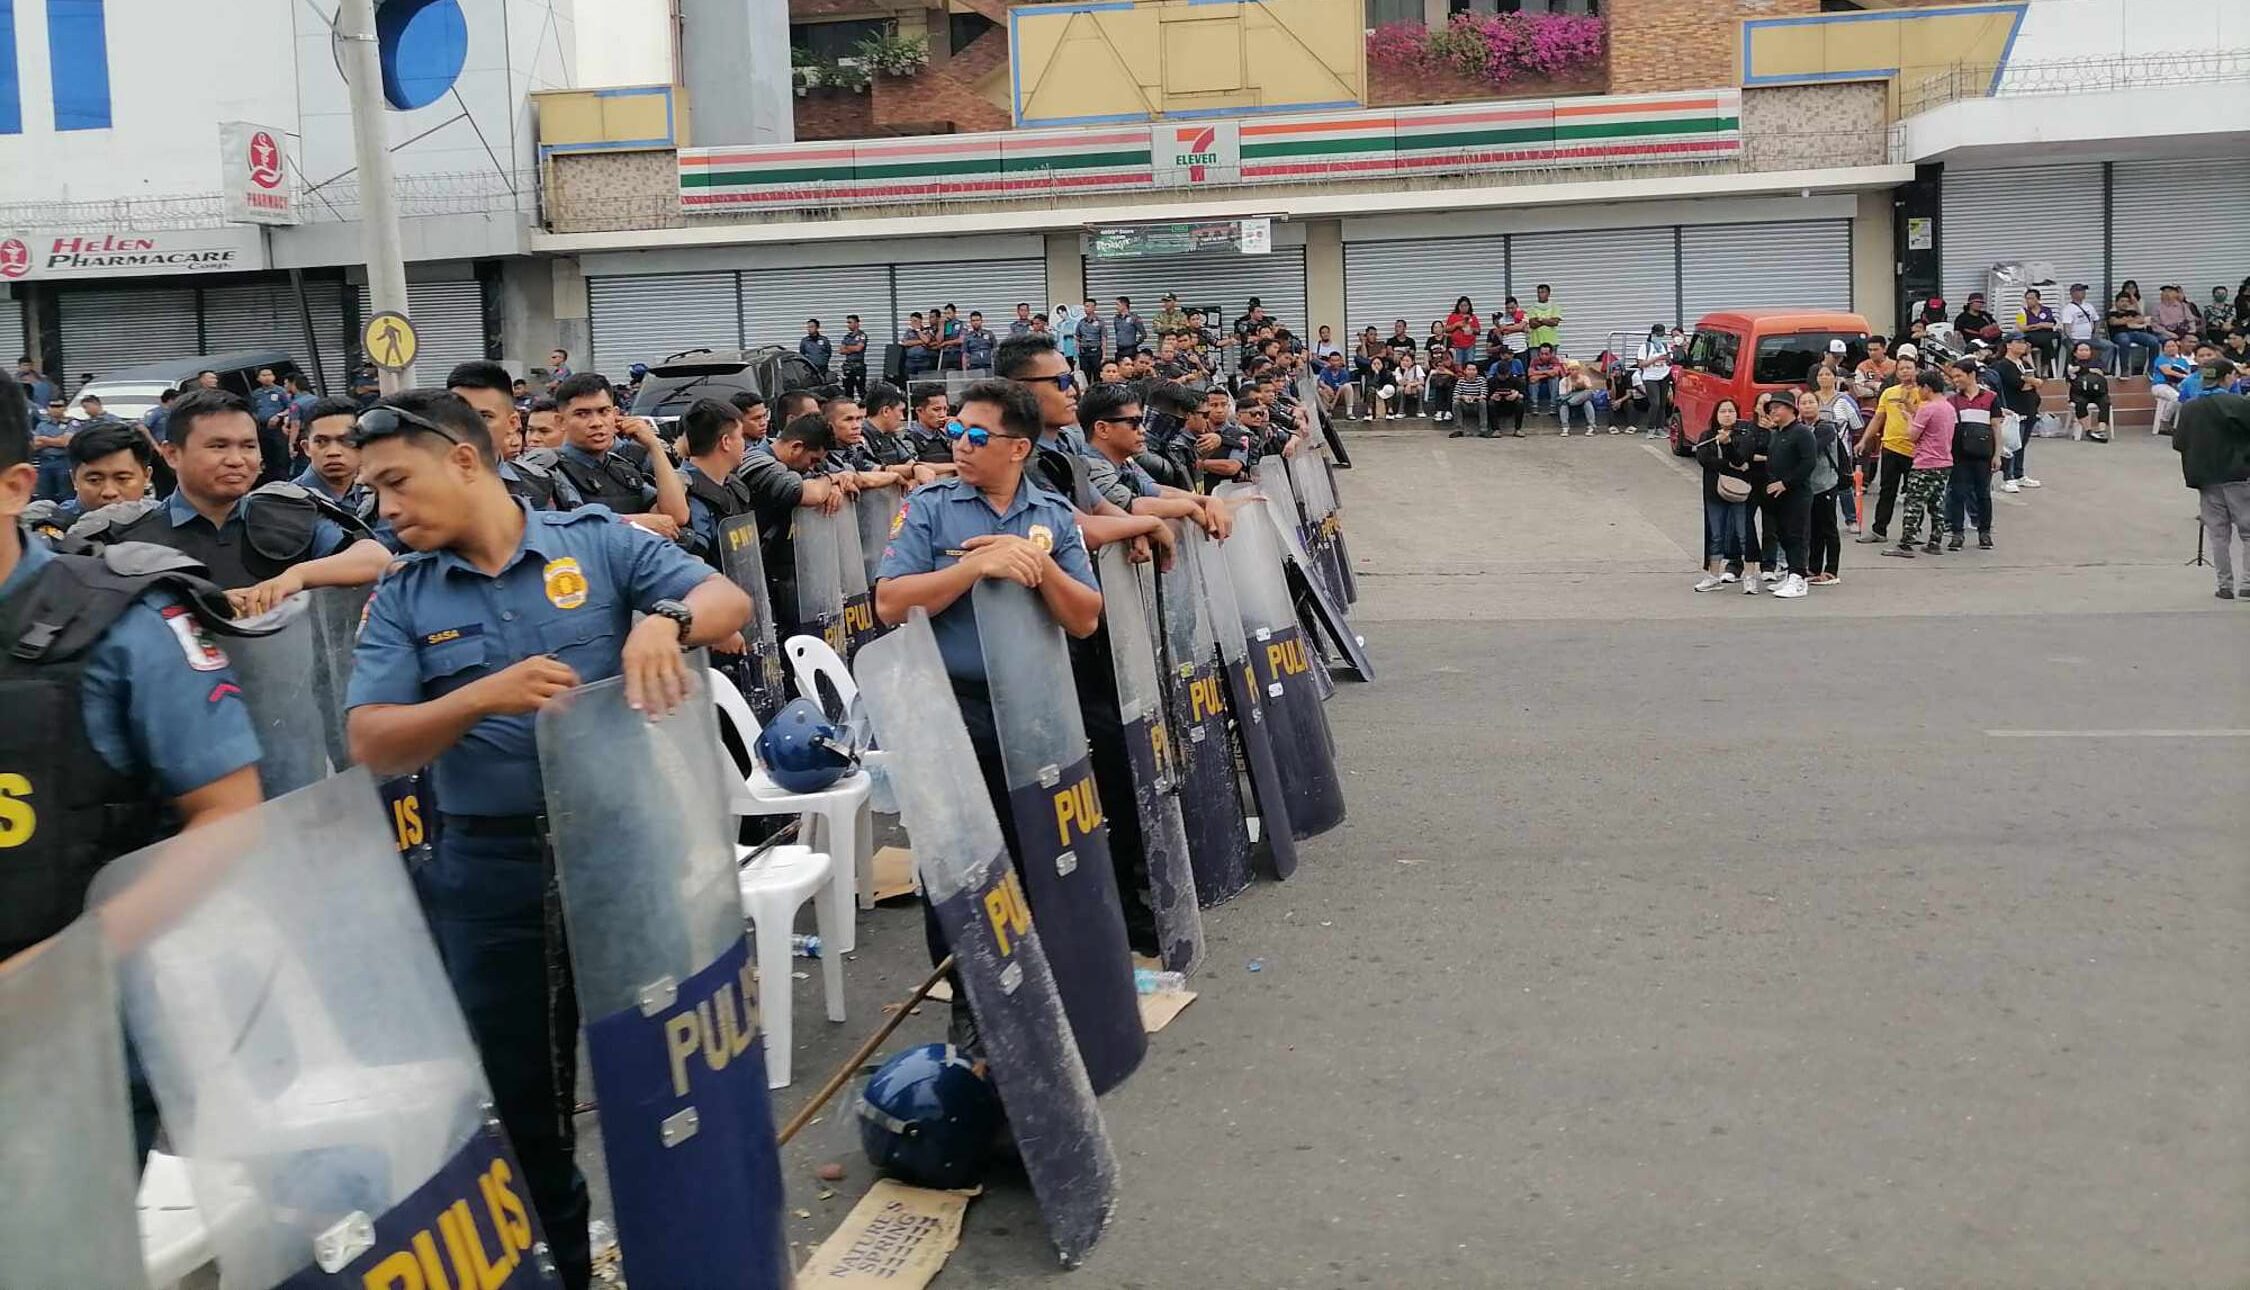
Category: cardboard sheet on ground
[894,873]
[1158,1009]
[896,1238]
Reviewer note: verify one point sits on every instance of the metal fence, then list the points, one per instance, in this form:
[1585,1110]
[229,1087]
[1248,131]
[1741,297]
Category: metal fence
[465,193]
[1921,89]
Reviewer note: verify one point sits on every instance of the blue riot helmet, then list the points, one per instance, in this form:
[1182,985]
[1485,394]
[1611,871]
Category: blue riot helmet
[803,750]
[637,371]
[928,1118]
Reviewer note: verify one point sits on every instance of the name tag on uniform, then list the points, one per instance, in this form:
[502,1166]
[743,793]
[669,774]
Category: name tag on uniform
[453,634]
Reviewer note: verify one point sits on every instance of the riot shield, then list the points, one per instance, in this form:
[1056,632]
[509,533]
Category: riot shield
[311,1064]
[1308,393]
[757,670]
[1282,669]
[820,586]
[876,508]
[645,860]
[1326,482]
[1320,612]
[1061,836]
[1210,791]
[68,1174]
[336,614]
[278,669]
[974,894]
[1128,605]
[1307,472]
[1246,701]
[860,626]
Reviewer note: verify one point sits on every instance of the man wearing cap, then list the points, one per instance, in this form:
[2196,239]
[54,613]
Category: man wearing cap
[1891,429]
[1170,319]
[2078,320]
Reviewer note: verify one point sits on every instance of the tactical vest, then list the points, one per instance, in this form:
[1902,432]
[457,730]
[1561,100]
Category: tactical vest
[1065,472]
[614,482]
[273,532]
[727,498]
[534,483]
[64,813]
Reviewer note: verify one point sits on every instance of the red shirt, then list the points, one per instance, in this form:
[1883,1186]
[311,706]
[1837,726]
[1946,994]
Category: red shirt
[1462,330]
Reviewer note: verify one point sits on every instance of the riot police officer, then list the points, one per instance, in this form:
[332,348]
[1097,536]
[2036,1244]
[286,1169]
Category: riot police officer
[498,610]
[711,435]
[653,498]
[757,420]
[885,433]
[925,435]
[108,464]
[264,545]
[780,483]
[333,471]
[530,475]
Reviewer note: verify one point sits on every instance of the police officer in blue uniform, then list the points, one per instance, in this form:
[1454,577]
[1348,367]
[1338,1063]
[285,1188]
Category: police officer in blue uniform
[333,469]
[487,387]
[990,520]
[647,493]
[109,464]
[264,545]
[854,354]
[498,610]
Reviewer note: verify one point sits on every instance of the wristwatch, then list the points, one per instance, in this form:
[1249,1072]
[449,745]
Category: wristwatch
[678,612]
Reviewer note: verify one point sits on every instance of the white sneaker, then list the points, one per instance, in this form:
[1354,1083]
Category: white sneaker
[2028,482]
[1710,582]
[1728,576]
[2009,486]
[1749,586]
[1791,588]
[1772,576]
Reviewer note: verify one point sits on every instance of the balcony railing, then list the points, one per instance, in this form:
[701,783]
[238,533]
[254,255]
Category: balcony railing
[1921,89]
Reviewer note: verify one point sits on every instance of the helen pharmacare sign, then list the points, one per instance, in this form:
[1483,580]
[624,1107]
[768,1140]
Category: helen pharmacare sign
[255,170]
[52,255]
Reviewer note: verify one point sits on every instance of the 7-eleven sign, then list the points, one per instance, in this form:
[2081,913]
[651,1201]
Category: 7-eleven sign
[1198,154]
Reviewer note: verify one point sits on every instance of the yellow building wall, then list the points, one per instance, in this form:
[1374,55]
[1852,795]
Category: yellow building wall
[1969,42]
[1074,64]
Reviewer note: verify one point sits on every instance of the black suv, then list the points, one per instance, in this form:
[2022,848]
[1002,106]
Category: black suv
[673,385]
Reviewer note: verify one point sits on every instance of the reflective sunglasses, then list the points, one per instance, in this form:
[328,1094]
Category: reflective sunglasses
[977,436]
[384,421]
[1063,381]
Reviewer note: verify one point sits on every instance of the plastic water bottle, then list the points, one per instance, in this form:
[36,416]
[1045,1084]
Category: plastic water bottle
[1151,981]
[804,947]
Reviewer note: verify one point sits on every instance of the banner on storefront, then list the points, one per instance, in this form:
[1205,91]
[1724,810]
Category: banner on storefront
[1134,241]
[255,167]
[46,254]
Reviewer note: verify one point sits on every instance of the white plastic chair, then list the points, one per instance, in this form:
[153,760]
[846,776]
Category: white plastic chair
[811,661]
[773,887]
[836,808]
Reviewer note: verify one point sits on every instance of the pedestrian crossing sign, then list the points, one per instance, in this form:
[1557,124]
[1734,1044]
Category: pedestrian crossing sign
[389,341]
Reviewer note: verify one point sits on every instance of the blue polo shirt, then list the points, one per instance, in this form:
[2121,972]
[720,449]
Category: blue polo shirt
[437,622]
[939,517]
[353,499]
[160,702]
[268,402]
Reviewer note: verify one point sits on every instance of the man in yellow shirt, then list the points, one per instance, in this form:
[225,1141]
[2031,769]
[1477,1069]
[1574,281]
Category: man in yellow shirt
[1889,427]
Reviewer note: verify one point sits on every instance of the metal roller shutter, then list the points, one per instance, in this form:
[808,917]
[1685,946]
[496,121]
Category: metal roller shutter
[1805,264]
[12,344]
[449,319]
[993,286]
[1222,279]
[108,328]
[641,319]
[1607,281]
[776,303]
[2186,222]
[2051,213]
[263,315]
[1419,281]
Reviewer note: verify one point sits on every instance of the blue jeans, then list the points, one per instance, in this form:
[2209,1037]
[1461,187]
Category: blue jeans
[1465,355]
[1543,394]
[498,925]
[1726,530]
[2148,342]
[1968,497]
[2014,467]
[54,478]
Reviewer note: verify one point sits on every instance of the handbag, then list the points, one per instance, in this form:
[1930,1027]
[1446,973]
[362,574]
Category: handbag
[1733,488]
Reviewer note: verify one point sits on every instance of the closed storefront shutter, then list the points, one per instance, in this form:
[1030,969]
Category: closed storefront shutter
[108,328]
[263,315]
[2184,222]
[1222,280]
[12,346]
[1804,264]
[1419,281]
[640,319]
[776,303]
[449,321]
[994,286]
[1607,281]
[2050,213]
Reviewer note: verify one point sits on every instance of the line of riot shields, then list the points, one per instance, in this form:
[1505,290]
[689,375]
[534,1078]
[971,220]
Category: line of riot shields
[279,986]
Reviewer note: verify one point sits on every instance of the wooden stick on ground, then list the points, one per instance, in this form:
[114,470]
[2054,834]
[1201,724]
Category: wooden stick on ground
[852,1064]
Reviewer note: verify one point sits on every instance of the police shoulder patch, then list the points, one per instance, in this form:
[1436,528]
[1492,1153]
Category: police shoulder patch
[203,654]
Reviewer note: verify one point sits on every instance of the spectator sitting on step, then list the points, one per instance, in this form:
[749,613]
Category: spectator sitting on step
[2174,318]
[1976,323]
[2037,324]
[1339,393]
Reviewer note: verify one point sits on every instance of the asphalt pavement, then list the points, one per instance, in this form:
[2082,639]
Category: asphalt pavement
[1894,936]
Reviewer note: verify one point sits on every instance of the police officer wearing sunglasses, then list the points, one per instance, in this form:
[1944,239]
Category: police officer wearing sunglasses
[496,610]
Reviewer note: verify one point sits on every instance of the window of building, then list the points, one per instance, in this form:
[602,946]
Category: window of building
[965,28]
[833,40]
[1380,12]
